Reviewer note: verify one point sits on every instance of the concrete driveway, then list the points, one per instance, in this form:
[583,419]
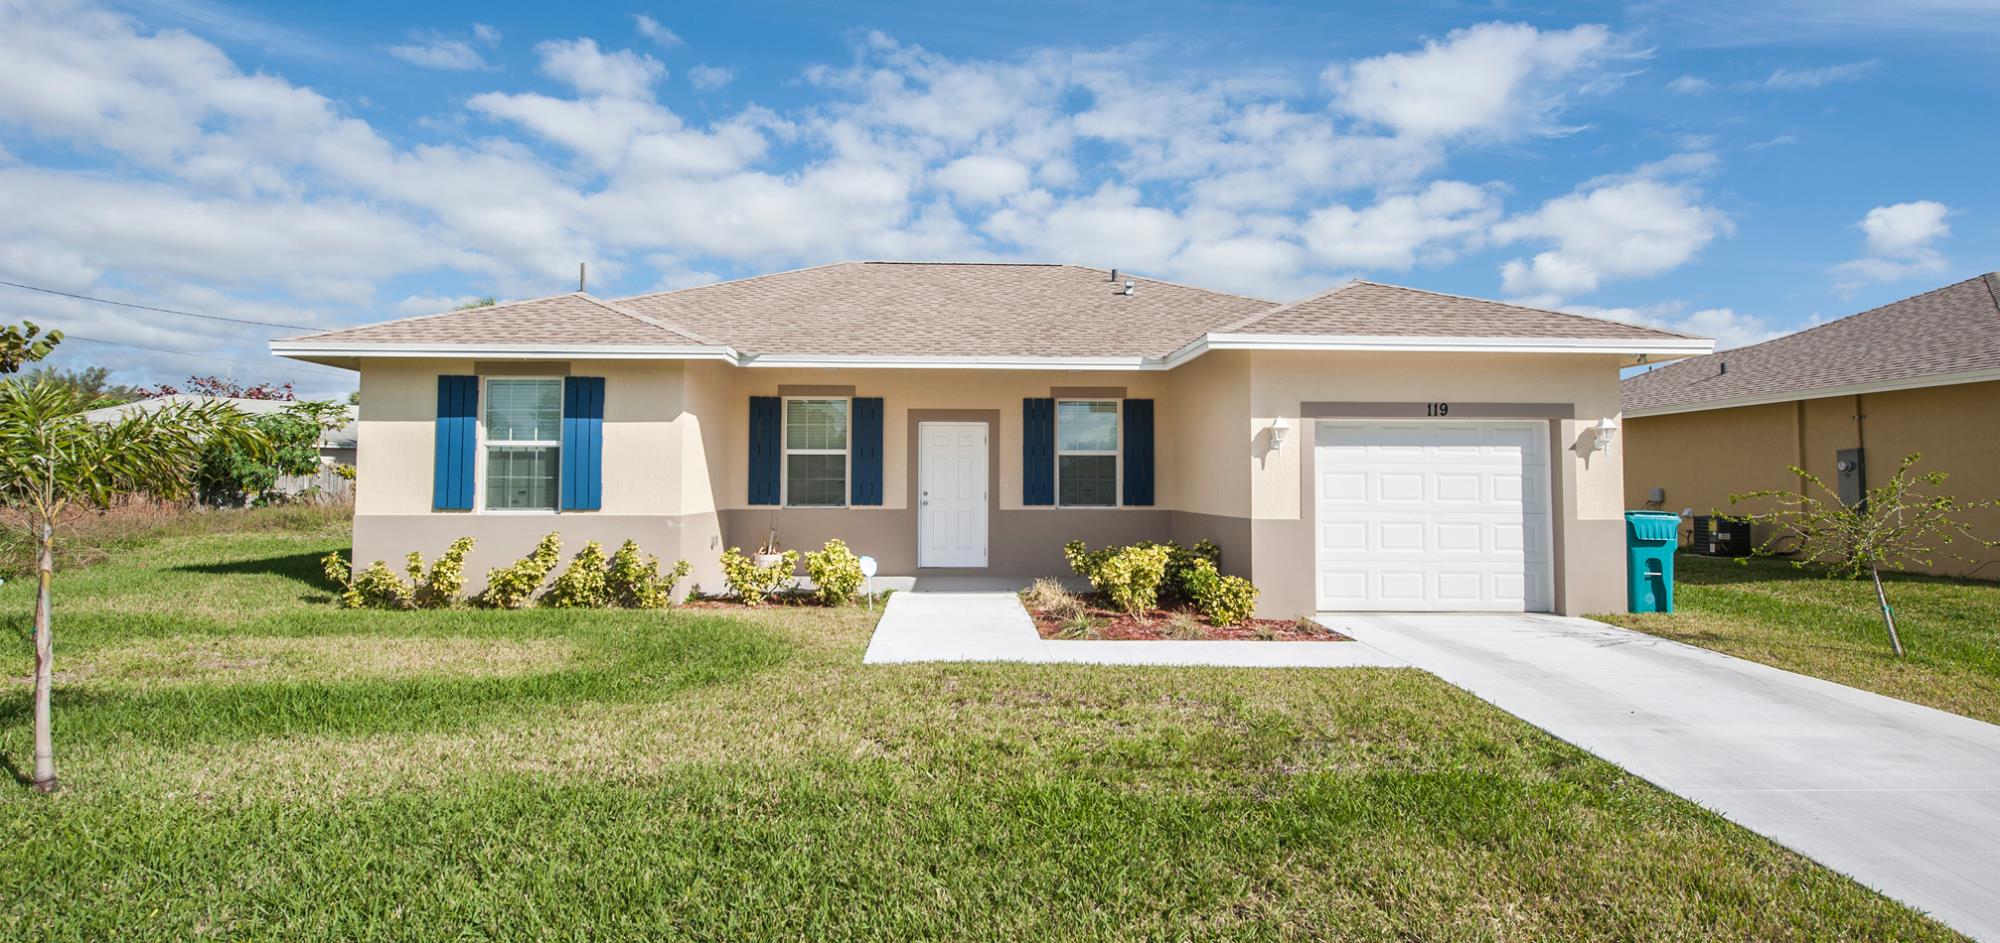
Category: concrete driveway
[1905,799]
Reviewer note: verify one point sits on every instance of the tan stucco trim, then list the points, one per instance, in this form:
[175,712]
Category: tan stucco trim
[1425,410]
[1087,392]
[804,389]
[521,368]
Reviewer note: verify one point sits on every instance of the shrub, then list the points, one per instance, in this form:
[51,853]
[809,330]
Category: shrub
[635,585]
[1185,627]
[753,584]
[582,585]
[835,571]
[1080,626]
[1127,576]
[376,587]
[511,587]
[1180,564]
[1051,598]
[1224,600]
[439,588]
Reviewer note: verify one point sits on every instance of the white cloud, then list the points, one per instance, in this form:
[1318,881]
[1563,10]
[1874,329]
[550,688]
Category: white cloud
[1399,230]
[708,78]
[1497,79]
[449,54]
[579,64]
[1690,85]
[983,178]
[1629,228]
[1902,241]
[651,29]
[489,35]
[1793,80]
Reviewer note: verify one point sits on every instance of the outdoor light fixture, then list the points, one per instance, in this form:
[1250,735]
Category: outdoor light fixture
[1279,429]
[1603,433]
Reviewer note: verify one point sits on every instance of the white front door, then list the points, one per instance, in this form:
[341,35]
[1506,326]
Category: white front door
[1435,514]
[951,494]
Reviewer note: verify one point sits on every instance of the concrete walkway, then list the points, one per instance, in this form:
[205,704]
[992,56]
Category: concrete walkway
[1903,798]
[990,626]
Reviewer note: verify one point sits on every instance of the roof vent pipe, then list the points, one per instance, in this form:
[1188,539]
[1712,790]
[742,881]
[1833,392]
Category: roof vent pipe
[1128,286]
[1114,275]
[1721,367]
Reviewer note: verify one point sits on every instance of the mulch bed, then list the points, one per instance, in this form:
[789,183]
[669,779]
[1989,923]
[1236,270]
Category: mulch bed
[1112,625]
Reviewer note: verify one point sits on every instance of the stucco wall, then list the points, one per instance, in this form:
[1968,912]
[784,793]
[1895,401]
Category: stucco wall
[1587,488]
[1700,458]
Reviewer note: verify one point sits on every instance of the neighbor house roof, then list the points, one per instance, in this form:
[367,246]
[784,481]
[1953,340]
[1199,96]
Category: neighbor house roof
[990,314]
[1363,308]
[1949,335]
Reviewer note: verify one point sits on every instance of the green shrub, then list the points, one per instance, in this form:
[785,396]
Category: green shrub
[582,585]
[1127,576]
[835,571]
[511,587]
[753,584]
[632,584]
[1180,564]
[376,587]
[439,588]
[1224,600]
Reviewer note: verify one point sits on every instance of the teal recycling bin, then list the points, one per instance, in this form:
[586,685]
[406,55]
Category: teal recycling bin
[1650,537]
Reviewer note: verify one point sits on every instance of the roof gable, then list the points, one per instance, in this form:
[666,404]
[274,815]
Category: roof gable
[1946,331]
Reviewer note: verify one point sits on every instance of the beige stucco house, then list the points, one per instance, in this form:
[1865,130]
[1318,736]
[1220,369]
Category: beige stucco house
[1921,375]
[1373,447]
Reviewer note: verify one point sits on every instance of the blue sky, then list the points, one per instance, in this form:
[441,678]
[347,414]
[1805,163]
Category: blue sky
[1733,169]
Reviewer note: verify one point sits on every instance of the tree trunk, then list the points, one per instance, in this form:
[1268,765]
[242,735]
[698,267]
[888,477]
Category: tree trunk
[1888,618]
[45,658]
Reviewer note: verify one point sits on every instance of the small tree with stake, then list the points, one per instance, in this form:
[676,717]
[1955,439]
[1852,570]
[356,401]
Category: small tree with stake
[1891,527]
[54,462]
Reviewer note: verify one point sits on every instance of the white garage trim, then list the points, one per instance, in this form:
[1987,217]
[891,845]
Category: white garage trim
[1433,515]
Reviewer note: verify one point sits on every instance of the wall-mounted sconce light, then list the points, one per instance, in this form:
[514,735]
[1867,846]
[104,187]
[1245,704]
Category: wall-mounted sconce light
[1602,434]
[1279,429]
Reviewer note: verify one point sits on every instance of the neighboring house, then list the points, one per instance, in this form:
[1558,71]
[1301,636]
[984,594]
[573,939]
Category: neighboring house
[336,446]
[1919,375]
[1373,447]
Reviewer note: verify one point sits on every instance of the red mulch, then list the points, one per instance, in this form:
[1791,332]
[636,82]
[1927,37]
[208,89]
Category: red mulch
[1117,626]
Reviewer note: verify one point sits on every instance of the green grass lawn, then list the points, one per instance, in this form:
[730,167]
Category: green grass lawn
[244,761]
[1770,611]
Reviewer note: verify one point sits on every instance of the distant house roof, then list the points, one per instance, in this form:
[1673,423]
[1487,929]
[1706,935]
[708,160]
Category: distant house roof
[968,311]
[1949,335]
[1364,308]
[341,438]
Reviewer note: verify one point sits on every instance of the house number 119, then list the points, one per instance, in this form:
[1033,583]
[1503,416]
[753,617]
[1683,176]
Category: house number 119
[1437,409]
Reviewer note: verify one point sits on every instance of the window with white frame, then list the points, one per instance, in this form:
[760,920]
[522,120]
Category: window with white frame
[815,453]
[1087,453]
[523,443]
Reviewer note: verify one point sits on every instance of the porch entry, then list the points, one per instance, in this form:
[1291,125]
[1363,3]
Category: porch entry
[951,494]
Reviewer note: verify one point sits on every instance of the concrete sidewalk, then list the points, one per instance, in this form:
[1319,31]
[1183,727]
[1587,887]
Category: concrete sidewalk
[988,626]
[1903,798]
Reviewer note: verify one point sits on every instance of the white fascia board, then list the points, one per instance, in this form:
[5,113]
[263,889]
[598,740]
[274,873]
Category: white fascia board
[886,362]
[1825,392]
[1674,347]
[302,350]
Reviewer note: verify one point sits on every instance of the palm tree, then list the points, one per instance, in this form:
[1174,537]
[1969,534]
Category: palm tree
[53,462]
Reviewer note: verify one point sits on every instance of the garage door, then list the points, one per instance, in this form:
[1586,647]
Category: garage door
[1436,515]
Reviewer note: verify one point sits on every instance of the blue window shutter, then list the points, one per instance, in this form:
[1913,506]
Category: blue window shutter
[582,482]
[1038,451]
[767,453]
[1139,452]
[865,452]
[457,438]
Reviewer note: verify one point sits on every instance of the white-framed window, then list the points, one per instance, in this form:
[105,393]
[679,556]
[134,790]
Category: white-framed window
[1087,455]
[816,451]
[522,443]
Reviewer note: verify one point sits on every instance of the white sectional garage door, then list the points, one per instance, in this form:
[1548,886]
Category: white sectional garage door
[1433,515]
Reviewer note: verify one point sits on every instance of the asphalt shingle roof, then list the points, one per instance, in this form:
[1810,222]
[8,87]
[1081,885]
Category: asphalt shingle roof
[1371,309]
[951,309]
[1949,330]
